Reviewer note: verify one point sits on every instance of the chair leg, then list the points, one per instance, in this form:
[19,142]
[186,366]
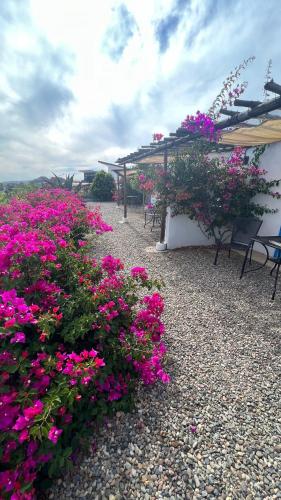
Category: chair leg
[217,254]
[251,254]
[275,281]
[273,269]
[229,252]
[245,260]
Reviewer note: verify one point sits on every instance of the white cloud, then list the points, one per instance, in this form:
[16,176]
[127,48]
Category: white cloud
[78,83]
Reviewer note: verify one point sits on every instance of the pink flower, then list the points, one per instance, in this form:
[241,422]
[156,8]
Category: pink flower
[111,265]
[21,423]
[85,380]
[9,323]
[157,136]
[54,434]
[139,272]
[99,363]
[82,243]
[233,170]
[67,418]
[19,337]
[34,410]
[165,377]
[201,124]
[62,410]
[24,435]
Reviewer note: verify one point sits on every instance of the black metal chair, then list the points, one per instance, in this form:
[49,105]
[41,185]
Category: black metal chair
[152,216]
[243,230]
[265,242]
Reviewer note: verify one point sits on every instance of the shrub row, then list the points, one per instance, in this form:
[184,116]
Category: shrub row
[75,336]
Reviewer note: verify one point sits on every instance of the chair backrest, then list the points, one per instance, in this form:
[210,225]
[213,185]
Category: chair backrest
[245,228]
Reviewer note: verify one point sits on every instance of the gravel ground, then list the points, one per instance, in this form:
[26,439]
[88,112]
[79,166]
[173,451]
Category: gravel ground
[215,431]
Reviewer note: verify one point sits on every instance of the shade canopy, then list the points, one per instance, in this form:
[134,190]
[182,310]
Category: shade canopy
[267,132]
[154,160]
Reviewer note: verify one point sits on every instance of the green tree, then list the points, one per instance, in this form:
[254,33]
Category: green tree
[103,187]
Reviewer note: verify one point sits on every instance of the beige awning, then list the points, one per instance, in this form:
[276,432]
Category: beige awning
[266,133]
[152,160]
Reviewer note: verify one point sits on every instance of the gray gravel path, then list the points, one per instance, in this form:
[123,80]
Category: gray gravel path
[215,431]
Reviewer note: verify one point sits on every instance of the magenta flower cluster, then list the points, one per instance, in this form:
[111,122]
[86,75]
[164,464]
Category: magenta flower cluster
[157,136]
[146,184]
[201,124]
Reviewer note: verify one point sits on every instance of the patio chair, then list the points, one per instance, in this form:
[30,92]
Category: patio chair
[152,216]
[243,230]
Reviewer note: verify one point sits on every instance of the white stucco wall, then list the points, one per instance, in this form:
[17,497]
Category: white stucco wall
[181,231]
[271,161]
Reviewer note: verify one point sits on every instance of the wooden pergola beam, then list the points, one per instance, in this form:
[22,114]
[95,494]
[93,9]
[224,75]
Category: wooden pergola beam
[228,112]
[183,136]
[109,164]
[255,112]
[273,87]
[246,104]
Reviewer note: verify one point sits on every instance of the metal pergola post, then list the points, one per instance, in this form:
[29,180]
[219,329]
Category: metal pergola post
[118,190]
[164,208]
[125,190]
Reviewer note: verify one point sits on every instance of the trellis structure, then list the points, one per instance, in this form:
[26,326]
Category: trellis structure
[178,140]
[123,172]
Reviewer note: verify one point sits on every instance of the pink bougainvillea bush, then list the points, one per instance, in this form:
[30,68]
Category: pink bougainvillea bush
[75,337]
[214,191]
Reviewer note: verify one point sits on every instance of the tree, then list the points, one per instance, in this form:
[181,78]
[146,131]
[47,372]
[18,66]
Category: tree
[103,186]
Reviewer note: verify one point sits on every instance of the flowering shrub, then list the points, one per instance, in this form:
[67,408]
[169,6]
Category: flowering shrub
[146,184]
[75,338]
[148,181]
[214,191]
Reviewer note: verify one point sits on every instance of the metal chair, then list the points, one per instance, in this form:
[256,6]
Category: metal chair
[265,242]
[152,216]
[243,230]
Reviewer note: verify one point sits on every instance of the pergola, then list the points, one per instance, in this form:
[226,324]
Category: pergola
[122,172]
[248,134]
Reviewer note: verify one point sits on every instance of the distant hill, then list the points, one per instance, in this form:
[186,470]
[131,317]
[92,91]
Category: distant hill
[39,181]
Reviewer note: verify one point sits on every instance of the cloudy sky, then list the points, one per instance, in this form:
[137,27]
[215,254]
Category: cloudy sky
[82,80]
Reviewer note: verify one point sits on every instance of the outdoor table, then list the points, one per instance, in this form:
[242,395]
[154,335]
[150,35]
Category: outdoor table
[131,199]
[265,241]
